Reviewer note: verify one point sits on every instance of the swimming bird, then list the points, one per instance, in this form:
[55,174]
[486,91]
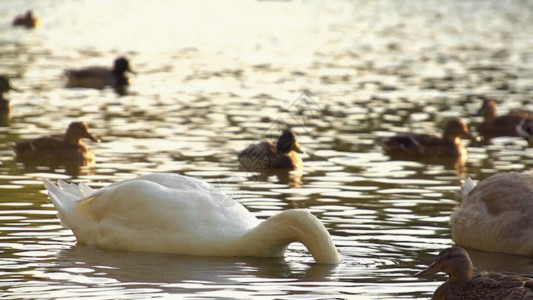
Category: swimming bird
[56,149]
[100,77]
[463,285]
[5,105]
[170,213]
[525,129]
[28,20]
[423,146]
[496,215]
[497,126]
[283,154]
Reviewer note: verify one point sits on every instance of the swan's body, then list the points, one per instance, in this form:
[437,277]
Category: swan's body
[463,285]
[496,215]
[177,214]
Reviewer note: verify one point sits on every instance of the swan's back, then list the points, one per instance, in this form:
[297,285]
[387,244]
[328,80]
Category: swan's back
[156,212]
[497,215]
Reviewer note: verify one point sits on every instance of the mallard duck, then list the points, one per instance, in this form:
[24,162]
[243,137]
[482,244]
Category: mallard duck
[496,215]
[28,20]
[5,105]
[52,149]
[497,126]
[283,154]
[423,146]
[170,213]
[462,284]
[100,77]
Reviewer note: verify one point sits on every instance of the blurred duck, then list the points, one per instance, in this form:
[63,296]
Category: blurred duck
[28,20]
[497,126]
[5,105]
[100,77]
[55,149]
[424,146]
[496,215]
[283,154]
[462,284]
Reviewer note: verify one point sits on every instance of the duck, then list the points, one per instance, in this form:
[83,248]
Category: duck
[52,149]
[5,105]
[497,126]
[283,154]
[424,146]
[496,215]
[177,214]
[97,77]
[28,20]
[463,284]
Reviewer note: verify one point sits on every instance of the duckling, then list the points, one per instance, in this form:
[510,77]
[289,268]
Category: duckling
[100,77]
[5,105]
[422,146]
[53,149]
[462,284]
[284,154]
[496,215]
[28,20]
[497,126]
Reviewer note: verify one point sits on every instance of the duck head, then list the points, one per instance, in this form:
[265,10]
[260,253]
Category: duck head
[77,131]
[453,261]
[121,65]
[456,128]
[487,110]
[288,142]
[5,86]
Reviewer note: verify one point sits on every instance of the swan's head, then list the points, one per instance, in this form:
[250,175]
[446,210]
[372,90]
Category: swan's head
[288,142]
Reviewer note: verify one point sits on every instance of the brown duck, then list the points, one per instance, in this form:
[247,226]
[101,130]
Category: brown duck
[463,285]
[5,105]
[53,150]
[424,146]
[28,20]
[283,154]
[497,126]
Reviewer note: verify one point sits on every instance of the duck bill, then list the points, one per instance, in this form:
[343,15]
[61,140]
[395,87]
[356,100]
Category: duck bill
[472,136]
[130,70]
[296,147]
[432,269]
[92,138]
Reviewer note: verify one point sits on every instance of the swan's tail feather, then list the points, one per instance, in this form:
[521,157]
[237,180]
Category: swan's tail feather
[467,187]
[63,200]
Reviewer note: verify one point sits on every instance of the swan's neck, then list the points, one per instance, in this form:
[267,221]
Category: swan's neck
[272,236]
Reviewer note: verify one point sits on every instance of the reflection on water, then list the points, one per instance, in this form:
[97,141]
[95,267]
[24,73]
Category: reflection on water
[211,80]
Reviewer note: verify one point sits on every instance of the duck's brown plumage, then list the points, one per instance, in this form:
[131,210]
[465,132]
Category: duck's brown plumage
[423,146]
[51,149]
[5,105]
[497,126]
[497,215]
[463,285]
[283,154]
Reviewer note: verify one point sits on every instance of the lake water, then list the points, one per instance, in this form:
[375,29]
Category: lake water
[212,78]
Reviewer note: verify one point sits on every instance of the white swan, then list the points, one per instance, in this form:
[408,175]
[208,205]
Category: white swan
[171,213]
[496,215]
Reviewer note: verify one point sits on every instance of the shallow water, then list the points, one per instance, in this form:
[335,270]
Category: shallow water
[213,78]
